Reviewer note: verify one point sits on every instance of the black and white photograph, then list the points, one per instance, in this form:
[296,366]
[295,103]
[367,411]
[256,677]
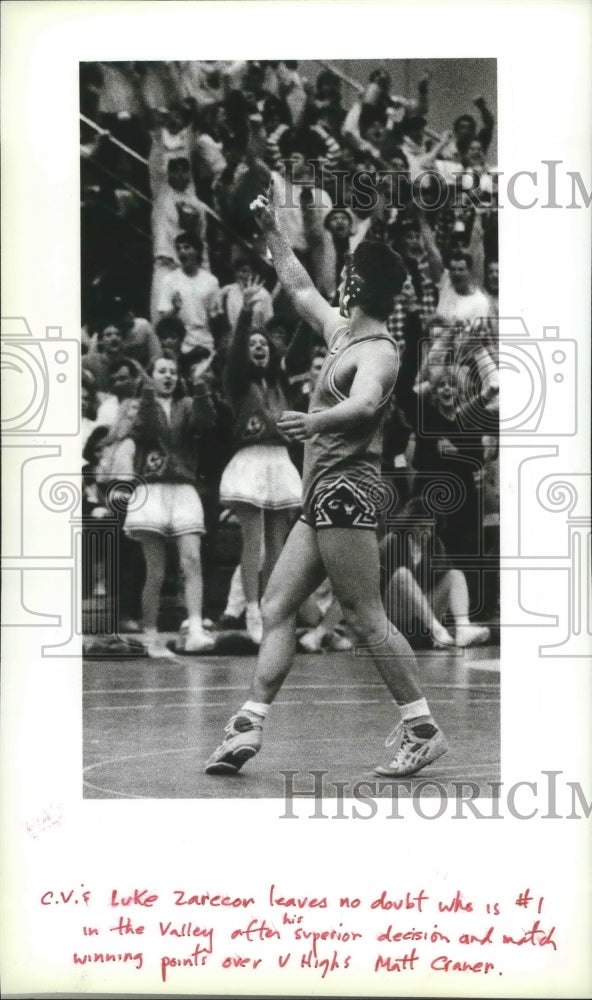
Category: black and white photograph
[296,590]
[290,424]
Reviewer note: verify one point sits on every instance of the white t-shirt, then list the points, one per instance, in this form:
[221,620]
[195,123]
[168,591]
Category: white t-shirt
[108,411]
[200,300]
[168,220]
[455,308]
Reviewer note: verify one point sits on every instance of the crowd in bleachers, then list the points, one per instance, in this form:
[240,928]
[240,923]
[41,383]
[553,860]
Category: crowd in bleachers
[192,350]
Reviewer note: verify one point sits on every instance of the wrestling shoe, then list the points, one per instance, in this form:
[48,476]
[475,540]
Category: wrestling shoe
[242,740]
[417,745]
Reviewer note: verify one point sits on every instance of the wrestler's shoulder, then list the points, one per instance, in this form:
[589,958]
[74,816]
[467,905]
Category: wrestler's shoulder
[383,349]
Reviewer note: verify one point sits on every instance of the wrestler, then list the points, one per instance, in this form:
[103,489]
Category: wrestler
[343,494]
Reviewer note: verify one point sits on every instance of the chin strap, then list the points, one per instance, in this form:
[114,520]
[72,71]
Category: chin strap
[353,287]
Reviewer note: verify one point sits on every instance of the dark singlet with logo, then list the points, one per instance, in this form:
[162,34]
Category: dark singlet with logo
[342,487]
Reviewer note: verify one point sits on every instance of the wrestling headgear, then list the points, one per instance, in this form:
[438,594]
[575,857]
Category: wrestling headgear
[374,275]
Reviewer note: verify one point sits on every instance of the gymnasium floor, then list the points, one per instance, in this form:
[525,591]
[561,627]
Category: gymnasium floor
[149,725]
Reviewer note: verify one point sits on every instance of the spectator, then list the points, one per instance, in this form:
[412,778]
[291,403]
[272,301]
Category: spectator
[260,483]
[305,206]
[164,438]
[172,138]
[232,296]
[415,149]
[176,209]
[325,107]
[465,311]
[171,331]
[218,130]
[99,361]
[346,231]
[208,157]
[465,130]
[192,294]
[115,468]
[422,588]
[371,108]
[88,406]
[139,340]
[124,378]
[413,239]
[93,509]
[444,452]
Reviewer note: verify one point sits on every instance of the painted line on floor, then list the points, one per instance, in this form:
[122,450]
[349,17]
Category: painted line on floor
[293,687]
[223,704]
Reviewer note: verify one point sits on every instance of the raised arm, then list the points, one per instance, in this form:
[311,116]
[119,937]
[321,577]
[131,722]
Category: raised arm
[236,377]
[488,122]
[308,302]
[435,263]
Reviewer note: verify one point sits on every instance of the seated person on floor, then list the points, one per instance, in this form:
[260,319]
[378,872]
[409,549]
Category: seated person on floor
[422,590]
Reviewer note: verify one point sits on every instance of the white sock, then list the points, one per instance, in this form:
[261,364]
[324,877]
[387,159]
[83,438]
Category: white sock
[255,708]
[151,635]
[195,623]
[414,710]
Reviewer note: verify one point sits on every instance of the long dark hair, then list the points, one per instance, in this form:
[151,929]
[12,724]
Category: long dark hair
[272,372]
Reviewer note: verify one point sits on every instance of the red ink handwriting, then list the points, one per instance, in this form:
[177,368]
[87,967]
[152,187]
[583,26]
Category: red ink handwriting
[326,965]
[257,930]
[125,926]
[196,959]
[107,957]
[140,897]
[444,964]
[65,896]
[535,936]
[407,902]
[455,905]
[296,901]
[205,899]
[403,964]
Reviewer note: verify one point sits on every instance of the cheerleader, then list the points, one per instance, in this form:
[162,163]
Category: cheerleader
[165,442]
[260,484]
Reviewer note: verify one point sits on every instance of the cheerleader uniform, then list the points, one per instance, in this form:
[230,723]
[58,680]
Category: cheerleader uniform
[261,472]
[165,439]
